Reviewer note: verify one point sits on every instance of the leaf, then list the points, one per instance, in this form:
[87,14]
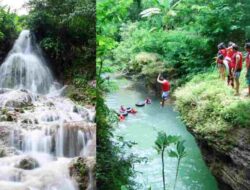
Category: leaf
[173,154]
[181,149]
[234,27]
[124,188]
[163,141]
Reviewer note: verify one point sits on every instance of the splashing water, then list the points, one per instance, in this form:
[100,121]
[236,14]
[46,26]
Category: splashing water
[46,131]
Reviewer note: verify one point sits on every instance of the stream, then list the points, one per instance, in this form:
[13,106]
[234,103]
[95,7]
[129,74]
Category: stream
[42,133]
[142,129]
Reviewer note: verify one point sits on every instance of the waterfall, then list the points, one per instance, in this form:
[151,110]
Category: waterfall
[48,133]
[24,68]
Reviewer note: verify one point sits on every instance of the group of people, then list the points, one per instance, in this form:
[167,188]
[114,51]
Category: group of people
[230,60]
[123,112]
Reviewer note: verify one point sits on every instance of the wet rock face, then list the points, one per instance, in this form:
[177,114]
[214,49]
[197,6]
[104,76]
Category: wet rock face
[5,129]
[28,164]
[231,168]
[81,170]
[15,99]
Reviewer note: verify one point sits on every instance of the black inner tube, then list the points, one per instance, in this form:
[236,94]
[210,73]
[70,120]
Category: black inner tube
[125,113]
[129,109]
[140,104]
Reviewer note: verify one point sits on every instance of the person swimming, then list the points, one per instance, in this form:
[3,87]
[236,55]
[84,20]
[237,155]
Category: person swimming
[148,101]
[121,117]
[122,109]
[133,111]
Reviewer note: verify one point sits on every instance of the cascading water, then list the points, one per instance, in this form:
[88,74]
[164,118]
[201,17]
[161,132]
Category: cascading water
[42,132]
[24,69]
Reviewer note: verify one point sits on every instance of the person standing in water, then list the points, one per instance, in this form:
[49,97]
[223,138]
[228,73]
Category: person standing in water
[237,65]
[247,48]
[165,86]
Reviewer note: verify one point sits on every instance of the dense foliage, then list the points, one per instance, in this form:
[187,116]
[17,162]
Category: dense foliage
[9,29]
[180,40]
[65,30]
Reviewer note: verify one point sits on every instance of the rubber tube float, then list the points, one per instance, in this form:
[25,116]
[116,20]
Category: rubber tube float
[125,113]
[129,109]
[140,104]
[133,111]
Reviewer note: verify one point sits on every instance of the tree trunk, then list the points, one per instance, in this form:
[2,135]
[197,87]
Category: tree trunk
[177,171]
[163,170]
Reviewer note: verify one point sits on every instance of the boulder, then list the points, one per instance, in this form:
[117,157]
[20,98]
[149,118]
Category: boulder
[82,171]
[15,99]
[27,164]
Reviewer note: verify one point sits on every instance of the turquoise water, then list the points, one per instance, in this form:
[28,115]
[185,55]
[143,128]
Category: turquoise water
[142,128]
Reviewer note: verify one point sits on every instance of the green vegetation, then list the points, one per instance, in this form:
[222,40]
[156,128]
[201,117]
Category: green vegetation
[208,106]
[114,169]
[9,30]
[65,30]
[161,144]
[179,41]
[179,154]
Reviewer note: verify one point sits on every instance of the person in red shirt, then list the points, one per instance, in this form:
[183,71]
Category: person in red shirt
[228,61]
[165,86]
[230,51]
[237,67]
[247,48]
[222,53]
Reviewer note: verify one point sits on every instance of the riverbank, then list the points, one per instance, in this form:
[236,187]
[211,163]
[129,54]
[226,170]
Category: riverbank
[220,122]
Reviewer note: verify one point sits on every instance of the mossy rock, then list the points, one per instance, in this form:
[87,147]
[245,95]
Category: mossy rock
[2,153]
[79,170]
[28,164]
[3,118]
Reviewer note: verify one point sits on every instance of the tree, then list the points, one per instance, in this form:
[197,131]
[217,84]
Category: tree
[66,31]
[162,142]
[179,154]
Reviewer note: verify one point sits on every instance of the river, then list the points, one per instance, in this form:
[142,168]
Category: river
[142,129]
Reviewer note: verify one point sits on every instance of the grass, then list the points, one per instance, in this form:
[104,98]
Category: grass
[210,109]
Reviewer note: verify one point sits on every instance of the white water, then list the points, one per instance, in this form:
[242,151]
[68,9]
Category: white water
[52,130]
[24,68]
